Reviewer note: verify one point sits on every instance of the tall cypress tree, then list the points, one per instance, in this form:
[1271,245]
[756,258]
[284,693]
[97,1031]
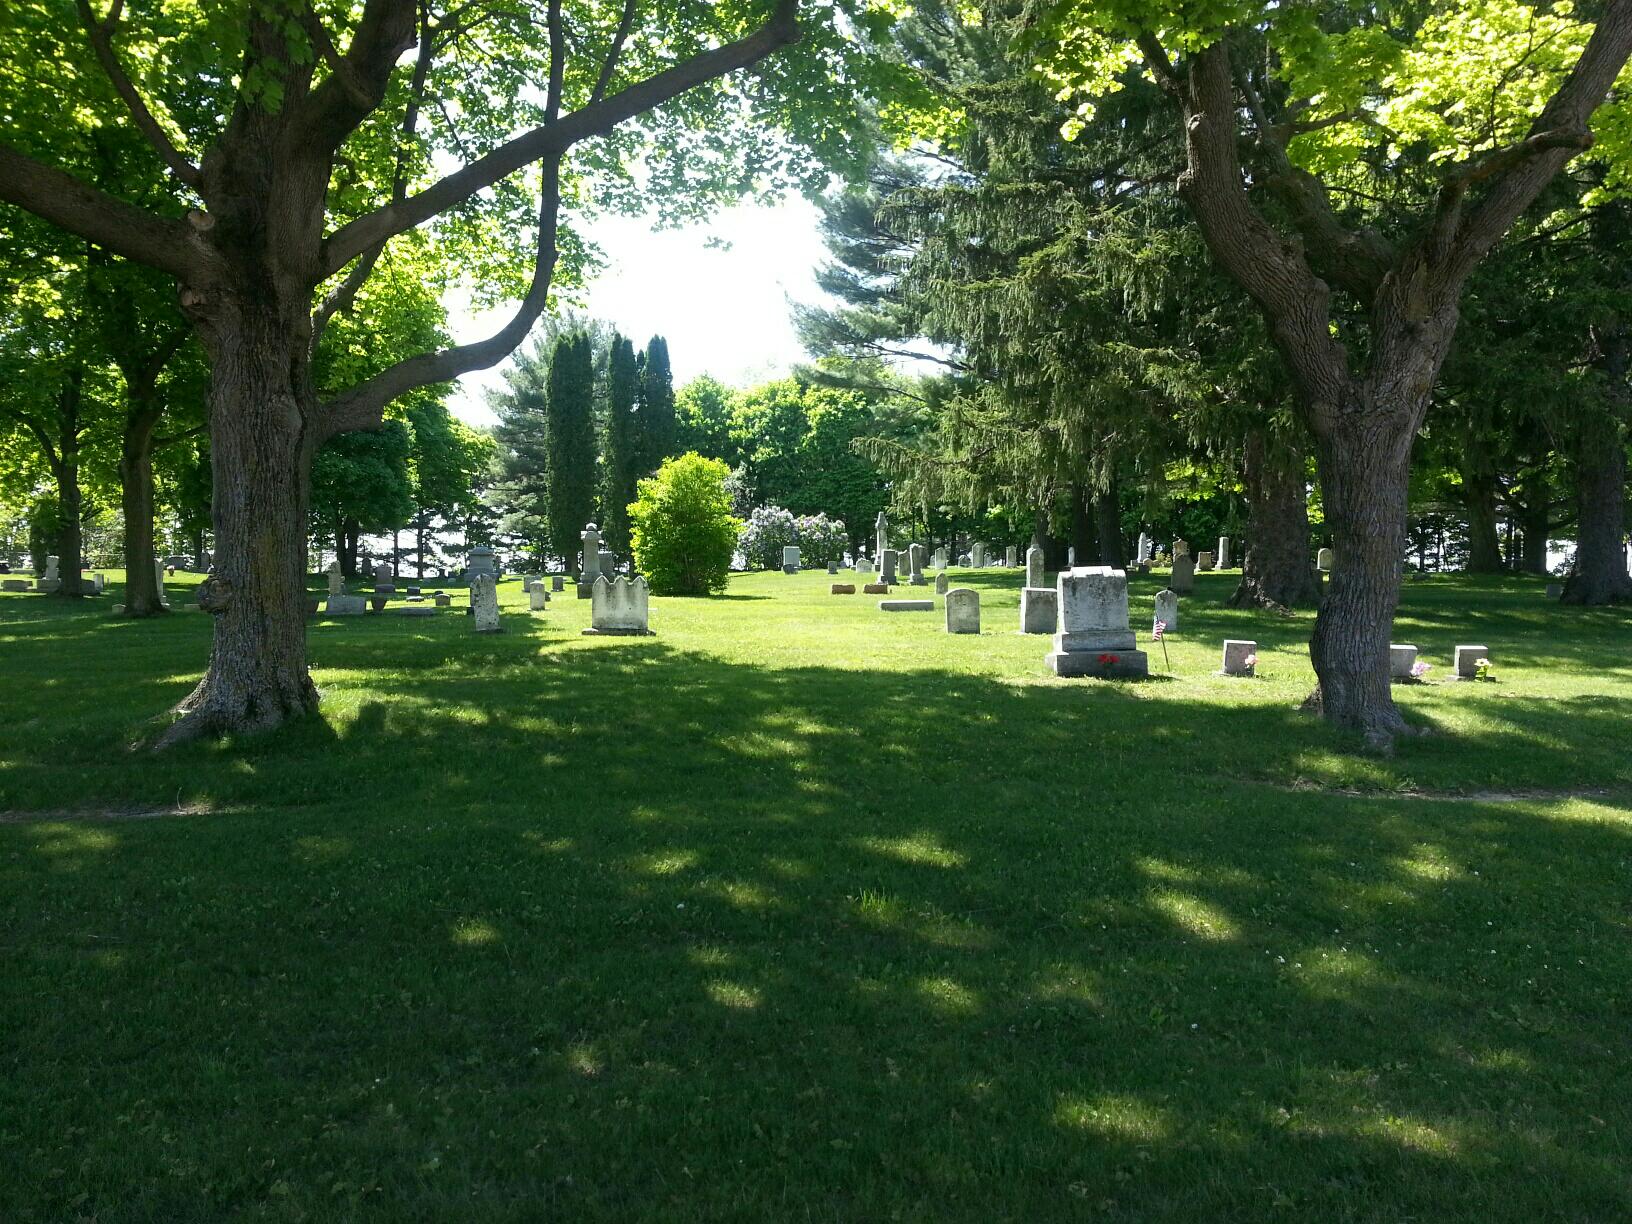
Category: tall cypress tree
[620,459]
[521,492]
[570,443]
[657,423]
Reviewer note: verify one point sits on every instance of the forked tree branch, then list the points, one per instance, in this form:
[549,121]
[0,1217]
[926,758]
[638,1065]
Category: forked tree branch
[362,406]
[101,36]
[554,139]
[610,65]
[81,209]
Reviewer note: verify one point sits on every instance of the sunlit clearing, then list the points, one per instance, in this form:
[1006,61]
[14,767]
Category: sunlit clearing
[663,862]
[1113,1115]
[1201,919]
[945,995]
[74,839]
[921,848]
[1413,1134]
[1429,862]
[733,994]
[471,932]
[710,956]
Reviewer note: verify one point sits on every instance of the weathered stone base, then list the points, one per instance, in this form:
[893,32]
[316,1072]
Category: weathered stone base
[1129,665]
[15,584]
[619,633]
[345,605]
[875,588]
[586,590]
[906,605]
[1039,609]
[842,588]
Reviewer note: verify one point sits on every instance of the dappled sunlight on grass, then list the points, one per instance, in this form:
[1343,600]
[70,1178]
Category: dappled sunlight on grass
[948,997]
[920,848]
[1192,914]
[1114,1117]
[474,932]
[733,995]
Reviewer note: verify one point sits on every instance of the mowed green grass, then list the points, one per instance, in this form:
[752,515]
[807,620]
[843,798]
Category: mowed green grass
[799,910]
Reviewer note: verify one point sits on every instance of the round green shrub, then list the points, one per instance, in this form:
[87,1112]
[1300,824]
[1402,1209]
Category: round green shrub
[682,529]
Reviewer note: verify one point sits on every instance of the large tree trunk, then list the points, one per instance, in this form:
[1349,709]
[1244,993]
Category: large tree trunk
[70,531]
[1084,539]
[261,459]
[1108,524]
[1277,568]
[1364,460]
[1599,575]
[1479,494]
[136,491]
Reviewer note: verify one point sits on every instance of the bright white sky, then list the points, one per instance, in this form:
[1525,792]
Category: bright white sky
[718,292]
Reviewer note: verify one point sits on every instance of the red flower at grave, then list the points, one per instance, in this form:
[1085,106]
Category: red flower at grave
[1107,660]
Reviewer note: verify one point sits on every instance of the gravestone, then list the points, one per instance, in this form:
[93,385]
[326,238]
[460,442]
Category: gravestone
[1324,559]
[886,570]
[915,565]
[558,583]
[1145,547]
[1011,556]
[1039,604]
[484,601]
[881,536]
[1223,552]
[481,561]
[538,599]
[938,561]
[1167,611]
[591,538]
[1093,637]
[966,560]
[1467,661]
[1401,659]
[790,559]
[99,582]
[442,600]
[337,581]
[875,588]
[1071,557]
[15,584]
[1240,657]
[52,581]
[906,605]
[978,553]
[844,588]
[384,584]
[832,568]
[963,611]
[1181,548]
[620,608]
[609,564]
[345,605]
[940,583]
[1039,609]
[158,582]
[1183,577]
[1204,561]
[1554,590]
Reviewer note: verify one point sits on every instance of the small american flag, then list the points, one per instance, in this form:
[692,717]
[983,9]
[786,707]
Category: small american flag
[1157,630]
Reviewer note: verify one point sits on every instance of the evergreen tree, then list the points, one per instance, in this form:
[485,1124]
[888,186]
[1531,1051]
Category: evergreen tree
[570,442]
[657,423]
[620,459]
[520,494]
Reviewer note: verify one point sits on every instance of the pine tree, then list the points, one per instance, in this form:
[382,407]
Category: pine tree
[657,423]
[619,457]
[570,442]
[521,492]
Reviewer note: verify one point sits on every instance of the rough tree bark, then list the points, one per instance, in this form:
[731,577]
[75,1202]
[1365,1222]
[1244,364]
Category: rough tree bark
[136,495]
[1365,410]
[1479,487]
[1277,568]
[1599,575]
[251,260]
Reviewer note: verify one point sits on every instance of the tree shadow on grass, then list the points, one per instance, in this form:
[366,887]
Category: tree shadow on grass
[629,932]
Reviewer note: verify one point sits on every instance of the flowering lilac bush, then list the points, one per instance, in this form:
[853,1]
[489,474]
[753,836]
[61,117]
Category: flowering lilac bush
[820,539]
[768,530]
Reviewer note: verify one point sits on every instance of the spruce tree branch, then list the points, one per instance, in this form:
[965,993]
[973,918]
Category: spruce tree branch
[363,405]
[101,36]
[79,208]
[554,139]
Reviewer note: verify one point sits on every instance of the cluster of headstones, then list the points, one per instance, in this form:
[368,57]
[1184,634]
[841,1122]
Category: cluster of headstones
[51,581]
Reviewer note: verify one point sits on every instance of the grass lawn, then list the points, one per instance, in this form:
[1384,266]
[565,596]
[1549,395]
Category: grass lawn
[799,910]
